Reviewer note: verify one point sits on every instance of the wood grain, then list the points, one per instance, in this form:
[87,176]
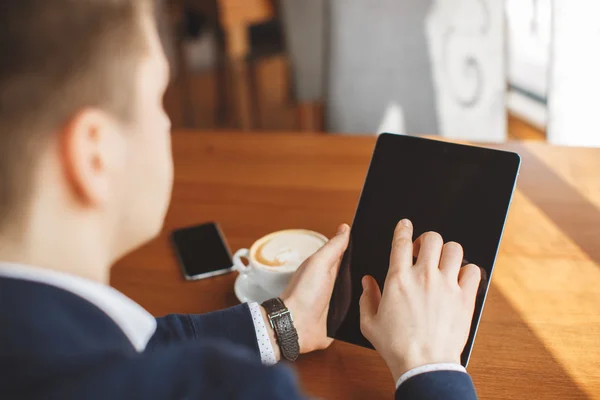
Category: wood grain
[540,333]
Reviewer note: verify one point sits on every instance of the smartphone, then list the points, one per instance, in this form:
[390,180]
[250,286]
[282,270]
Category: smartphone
[202,251]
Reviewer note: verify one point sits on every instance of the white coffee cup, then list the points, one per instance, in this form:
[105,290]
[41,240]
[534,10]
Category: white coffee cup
[273,259]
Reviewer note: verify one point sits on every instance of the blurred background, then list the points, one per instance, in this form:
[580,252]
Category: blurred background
[481,70]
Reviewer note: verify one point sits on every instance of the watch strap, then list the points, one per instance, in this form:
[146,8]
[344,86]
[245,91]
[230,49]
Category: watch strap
[282,322]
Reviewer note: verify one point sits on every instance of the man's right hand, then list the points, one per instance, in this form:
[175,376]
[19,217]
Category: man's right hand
[424,315]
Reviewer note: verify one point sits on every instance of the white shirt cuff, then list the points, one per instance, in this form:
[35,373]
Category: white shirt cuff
[267,354]
[429,368]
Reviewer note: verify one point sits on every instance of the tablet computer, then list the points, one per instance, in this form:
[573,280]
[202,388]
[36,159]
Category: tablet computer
[462,192]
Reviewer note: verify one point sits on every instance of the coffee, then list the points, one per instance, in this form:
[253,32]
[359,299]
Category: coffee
[287,249]
[273,259]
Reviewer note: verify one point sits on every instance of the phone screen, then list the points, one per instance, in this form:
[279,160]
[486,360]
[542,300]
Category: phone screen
[202,251]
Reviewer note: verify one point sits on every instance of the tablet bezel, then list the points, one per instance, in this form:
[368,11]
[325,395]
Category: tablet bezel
[512,162]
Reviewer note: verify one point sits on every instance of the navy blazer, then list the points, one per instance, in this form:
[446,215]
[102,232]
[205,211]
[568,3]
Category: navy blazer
[56,345]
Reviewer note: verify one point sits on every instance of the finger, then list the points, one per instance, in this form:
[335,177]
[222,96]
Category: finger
[332,251]
[483,281]
[430,250]
[370,299]
[451,260]
[417,248]
[401,257]
[468,280]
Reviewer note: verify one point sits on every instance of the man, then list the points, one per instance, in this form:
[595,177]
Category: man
[86,174]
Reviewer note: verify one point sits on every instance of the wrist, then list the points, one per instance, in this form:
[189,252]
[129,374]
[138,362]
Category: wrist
[397,367]
[297,318]
[284,330]
[401,364]
[271,332]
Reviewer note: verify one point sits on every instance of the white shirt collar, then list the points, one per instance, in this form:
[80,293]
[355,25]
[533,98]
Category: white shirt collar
[135,322]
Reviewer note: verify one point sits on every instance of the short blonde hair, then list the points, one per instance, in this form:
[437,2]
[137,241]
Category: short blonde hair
[56,58]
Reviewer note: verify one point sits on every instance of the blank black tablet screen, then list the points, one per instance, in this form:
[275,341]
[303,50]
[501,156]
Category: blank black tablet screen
[462,192]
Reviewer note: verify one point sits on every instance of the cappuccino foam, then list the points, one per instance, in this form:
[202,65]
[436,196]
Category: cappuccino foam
[288,249]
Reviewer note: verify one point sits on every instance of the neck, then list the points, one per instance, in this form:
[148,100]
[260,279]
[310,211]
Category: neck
[62,245]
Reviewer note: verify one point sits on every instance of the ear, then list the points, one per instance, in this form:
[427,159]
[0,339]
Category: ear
[87,153]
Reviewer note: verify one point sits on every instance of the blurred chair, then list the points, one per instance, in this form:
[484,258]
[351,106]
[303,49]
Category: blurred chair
[236,18]
[176,19]
[574,78]
[243,31]
[411,66]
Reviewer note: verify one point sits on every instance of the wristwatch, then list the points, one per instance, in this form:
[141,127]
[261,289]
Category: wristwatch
[282,323]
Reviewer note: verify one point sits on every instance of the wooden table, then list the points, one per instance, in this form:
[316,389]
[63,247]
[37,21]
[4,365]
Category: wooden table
[540,333]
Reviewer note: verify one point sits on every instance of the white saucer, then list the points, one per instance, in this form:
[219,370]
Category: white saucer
[247,291]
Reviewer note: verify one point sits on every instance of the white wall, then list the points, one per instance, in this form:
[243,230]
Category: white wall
[528,38]
[574,108]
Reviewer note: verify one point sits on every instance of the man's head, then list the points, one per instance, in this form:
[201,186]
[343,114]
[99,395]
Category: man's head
[84,139]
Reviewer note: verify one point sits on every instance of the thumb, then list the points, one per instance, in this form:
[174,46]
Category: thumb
[370,299]
[333,250]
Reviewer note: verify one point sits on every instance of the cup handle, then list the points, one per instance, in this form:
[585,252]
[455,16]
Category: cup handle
[238,265]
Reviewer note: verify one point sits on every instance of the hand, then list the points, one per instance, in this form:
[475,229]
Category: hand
[309,291]
[424,314]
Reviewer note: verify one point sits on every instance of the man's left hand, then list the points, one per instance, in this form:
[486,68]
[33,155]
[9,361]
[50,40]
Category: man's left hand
[308,294]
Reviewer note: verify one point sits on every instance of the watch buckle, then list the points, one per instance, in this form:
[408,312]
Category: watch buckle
[279,314]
